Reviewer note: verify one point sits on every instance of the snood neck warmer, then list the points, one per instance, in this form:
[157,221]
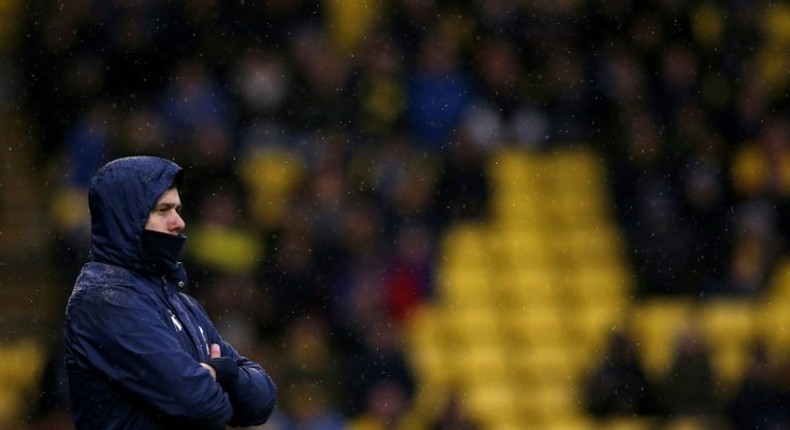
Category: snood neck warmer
[162,251]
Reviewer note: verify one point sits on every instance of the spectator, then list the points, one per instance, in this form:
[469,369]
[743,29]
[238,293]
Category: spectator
[380,379]
[312,377]
[688,389]
[760,400]
[619,386]
[439,90]
[453,416]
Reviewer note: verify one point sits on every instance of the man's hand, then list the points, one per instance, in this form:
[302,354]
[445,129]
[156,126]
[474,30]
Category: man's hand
[223,369]
[214,352]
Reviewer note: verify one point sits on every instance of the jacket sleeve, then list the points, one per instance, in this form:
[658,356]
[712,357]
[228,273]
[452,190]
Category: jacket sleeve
[254,394]
[130,342]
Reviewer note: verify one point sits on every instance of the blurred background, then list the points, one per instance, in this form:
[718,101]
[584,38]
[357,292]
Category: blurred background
[426,214]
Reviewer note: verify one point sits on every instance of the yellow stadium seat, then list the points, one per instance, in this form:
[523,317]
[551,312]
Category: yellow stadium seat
[592,326]
[655,325]
[491,404]
[603,285]
[570,421]
[730,326]
[470,326]
[728,321]
[546,365]
[518,248]
[465,243]
[534,327]
[579,172]
[686,423]
[779,283]
[577,209]
[425,349]
[464,286]
[646,423]
[23,362]
[518,211]
[481,364]
[590,245]
[230,249]
[512,170]
[11,407]
[772,320]
[542,403]
[528,288]
[271,176]
[349,22]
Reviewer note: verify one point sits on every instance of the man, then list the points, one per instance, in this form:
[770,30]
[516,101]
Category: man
[139,353]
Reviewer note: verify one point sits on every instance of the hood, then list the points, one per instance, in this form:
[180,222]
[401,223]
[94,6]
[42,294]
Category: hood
[121,196]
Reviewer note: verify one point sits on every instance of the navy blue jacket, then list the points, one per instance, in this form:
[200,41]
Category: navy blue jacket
[134,342]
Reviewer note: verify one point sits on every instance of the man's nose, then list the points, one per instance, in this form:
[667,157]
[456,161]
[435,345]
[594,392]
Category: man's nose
[178,223]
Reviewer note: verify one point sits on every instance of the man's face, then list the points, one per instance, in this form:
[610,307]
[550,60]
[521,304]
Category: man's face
[166,217]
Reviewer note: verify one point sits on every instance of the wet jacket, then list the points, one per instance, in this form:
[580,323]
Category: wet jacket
[134,342]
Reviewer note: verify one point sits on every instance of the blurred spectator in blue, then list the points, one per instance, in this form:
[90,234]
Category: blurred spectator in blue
[312,379]
[409,23]
[755,250]
[688,388]
[88,144]
[320,97]
[619,387]
[294,275]
[194,100]
[361,260]
[463,186]
[380,380]
[439,88]
[760,401]
[649,208]
[704,196]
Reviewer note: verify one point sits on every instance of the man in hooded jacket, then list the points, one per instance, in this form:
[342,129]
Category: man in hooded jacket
[140,354]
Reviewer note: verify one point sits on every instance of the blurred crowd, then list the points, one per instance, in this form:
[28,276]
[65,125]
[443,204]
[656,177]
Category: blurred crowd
[689,390]
[328,144]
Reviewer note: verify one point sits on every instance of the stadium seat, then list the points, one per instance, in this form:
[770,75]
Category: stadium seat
[491,404]
[625,423]
[541,404]
[779,282]
[591,326]
[271,175]
[546,365]
[464,286]
[772,325]
[465,243]
[730,326]
[530,328]
[23,362]
[603,285]
[655,325]
[470,326]
[528,288]
[518,248]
